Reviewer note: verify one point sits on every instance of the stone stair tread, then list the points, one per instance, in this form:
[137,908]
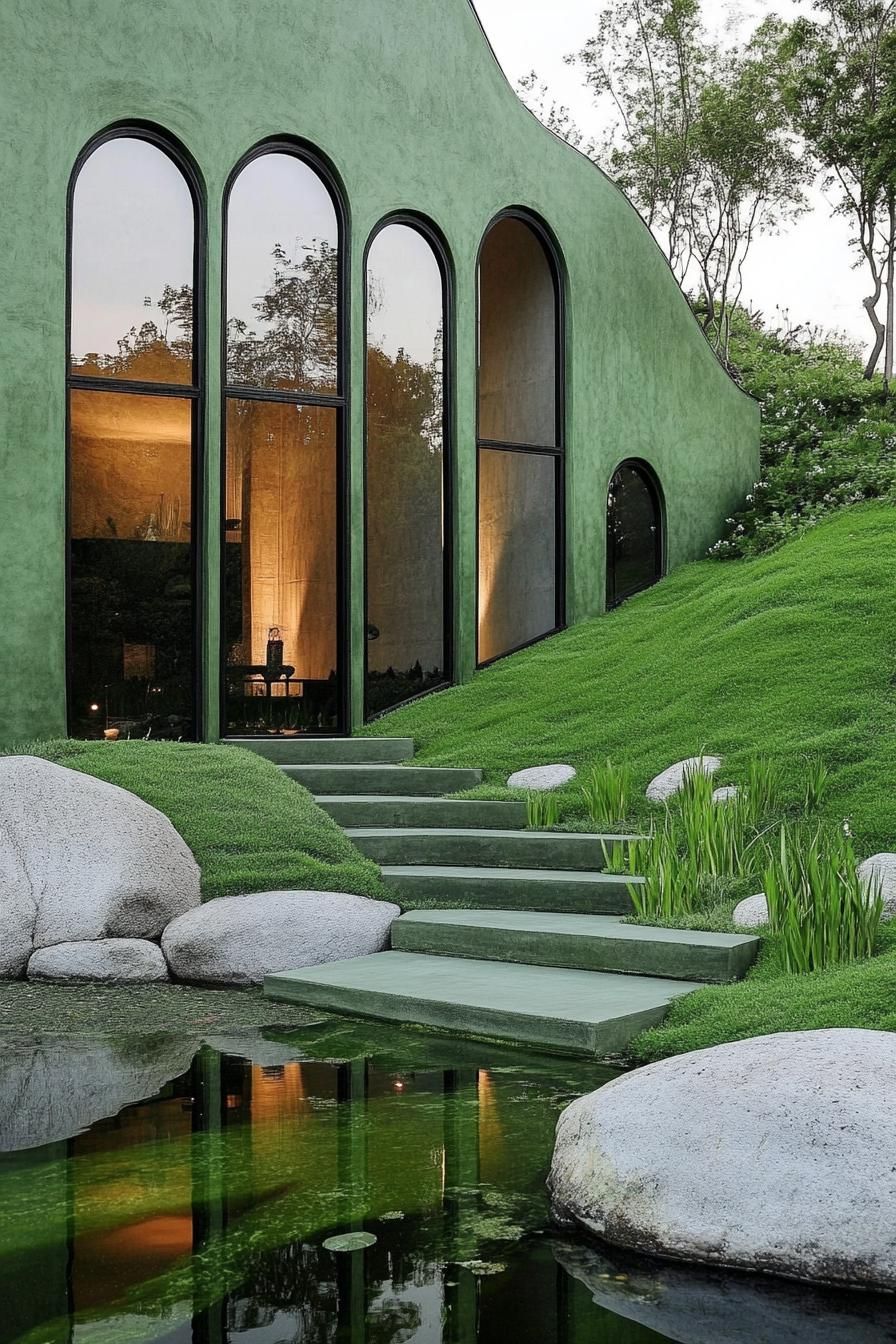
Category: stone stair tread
[587,1012]
[574,925]
[477,832]
[546,875]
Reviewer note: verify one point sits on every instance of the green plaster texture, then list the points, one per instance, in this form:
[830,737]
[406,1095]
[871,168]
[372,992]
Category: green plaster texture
[426,886]
[383,810]
[402,779]
[329,750]
[583,1012]
[495,848]
[583,942]
[413,112]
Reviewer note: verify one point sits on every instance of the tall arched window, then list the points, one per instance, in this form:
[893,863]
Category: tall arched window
[283,498]
[134,378]
[634,532]
[406,450]
[520,438]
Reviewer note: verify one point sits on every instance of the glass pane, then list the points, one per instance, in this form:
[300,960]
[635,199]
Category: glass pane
[517,549]
[131,609]
[280,564]
[132,266]
[405,467]
[517,338]
[633,539]
[282,278]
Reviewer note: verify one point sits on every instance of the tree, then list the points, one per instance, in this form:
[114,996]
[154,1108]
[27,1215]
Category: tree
[698,137]
[840,86]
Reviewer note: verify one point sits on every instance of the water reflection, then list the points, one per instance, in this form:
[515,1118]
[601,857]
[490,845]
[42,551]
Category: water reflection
[198,1216]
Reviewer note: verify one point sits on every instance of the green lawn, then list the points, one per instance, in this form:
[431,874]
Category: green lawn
[788,655]
[249,827]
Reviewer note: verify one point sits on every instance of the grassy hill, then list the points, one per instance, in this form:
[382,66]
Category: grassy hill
[788,655]
[791,654]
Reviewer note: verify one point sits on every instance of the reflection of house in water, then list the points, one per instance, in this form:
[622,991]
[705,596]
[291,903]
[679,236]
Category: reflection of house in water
[202,1212]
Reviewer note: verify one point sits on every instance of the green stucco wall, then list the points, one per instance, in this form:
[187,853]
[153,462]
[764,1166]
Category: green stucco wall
[409,105]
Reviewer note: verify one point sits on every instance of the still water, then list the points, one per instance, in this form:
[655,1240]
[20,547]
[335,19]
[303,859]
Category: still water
[166,1189]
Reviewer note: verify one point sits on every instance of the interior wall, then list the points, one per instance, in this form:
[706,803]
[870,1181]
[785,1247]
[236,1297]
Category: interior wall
[517,337]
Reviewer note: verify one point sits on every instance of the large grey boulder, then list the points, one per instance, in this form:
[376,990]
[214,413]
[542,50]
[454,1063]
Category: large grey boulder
[879,873]
[52,1088]
[81,859]
[238,940]
[106,961]
[542,778]
[671,781]
[702,1306]
[773,1154]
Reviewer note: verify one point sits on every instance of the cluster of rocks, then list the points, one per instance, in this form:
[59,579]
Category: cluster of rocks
[95,884]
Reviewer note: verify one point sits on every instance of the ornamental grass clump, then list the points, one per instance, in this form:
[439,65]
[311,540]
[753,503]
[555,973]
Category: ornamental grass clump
[607,793]
[542,810]
[822,911]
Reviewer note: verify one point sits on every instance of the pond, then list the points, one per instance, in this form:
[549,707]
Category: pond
[161,1188]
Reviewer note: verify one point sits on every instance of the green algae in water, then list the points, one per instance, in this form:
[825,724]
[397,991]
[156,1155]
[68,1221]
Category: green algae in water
[153,1201]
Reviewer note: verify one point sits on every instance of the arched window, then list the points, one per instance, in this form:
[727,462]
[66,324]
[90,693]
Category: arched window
[520,439]
[283,615]
[134,379]
[634,532]
[406,451]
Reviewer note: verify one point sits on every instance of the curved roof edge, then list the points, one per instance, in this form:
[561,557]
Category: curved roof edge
[587,159]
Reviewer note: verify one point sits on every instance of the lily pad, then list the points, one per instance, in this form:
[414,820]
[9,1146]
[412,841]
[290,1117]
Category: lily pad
[350,1241]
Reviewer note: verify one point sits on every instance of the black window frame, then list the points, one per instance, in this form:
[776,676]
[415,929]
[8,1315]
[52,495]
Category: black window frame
[194,391]
[436,240]
[338,401]
[648,475]
[557,450]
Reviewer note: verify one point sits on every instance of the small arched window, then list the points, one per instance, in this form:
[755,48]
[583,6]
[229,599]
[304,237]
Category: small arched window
[406,451]
[520,438]
[634,532]
[284,619]
[134,371]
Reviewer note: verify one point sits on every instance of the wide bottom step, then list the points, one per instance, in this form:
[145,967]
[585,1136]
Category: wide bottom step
[581,1012]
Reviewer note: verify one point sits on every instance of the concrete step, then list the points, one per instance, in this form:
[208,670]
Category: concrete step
[397,810]
[581,1012]
[328,750]
[418,780]
[577,942]
[428,886]
[474,846]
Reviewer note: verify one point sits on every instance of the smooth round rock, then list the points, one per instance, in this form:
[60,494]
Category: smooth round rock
[671,781]
[725,794]
[350,1241]
[752,912]
[238,940]
[880,870]
[542,777]
[107,961]
[773,1154]
[80,860]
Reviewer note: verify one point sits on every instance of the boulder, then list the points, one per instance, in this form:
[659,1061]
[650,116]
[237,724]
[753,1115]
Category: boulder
[54,1087]
[725,793]
[238,940]
[81,859]
[772,1154]
[540,778]
[751,912]
[106,961]
[671,781]
[880,870]
[705,1306]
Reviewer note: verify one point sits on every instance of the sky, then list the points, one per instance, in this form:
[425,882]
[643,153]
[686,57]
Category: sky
[807,269]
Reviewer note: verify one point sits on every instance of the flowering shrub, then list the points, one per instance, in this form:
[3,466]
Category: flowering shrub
[828,436]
